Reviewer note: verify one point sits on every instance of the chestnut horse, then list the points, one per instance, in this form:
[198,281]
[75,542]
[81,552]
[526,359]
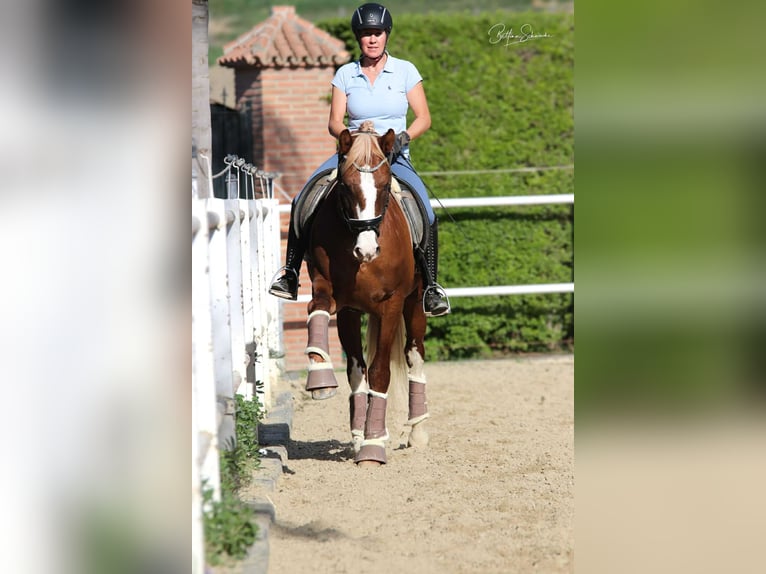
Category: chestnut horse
[360,259]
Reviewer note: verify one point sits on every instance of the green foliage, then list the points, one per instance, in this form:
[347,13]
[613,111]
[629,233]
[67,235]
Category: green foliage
[230,528]
[504,246]
[492,106]
[495,107]
[234,17]
[237,464]
[229,525]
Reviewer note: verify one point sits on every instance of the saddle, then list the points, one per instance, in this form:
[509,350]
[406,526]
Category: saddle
[319,187]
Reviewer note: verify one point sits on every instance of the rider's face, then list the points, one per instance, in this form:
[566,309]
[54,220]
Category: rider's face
[372,42]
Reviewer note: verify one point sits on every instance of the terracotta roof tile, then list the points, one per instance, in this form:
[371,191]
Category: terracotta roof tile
[284,39]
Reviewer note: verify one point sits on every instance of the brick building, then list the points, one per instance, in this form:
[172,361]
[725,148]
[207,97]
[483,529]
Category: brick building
[282,73]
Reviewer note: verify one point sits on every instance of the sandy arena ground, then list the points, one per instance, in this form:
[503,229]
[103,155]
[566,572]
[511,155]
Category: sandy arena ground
[492,493]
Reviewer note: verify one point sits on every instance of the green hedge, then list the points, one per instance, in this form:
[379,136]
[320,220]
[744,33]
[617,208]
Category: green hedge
[495,107]
[230,18]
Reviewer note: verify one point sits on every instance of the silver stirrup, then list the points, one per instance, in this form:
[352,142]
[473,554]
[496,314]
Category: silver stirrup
[439,289]
[277,276]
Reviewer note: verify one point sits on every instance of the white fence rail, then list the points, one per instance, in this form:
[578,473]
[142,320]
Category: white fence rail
[499,201]
[235,330]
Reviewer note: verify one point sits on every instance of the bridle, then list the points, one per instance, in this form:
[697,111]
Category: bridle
[369,169]
[359,225]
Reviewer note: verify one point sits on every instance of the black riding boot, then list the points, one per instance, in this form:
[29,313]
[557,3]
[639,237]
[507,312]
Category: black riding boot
[286,286]
[435,302]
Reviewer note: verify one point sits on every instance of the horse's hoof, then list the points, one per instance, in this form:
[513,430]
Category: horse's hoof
[418,437]
[369,464]
[322,394]
[371,453]
[321,382]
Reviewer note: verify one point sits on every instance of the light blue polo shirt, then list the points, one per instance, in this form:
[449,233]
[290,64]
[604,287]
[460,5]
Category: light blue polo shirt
[385,101]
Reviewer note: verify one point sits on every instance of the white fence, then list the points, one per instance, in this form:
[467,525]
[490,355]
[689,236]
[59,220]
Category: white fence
[235,330]
[491,202]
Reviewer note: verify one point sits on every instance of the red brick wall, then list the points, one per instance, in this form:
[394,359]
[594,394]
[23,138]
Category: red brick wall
[295,110]
[290,108]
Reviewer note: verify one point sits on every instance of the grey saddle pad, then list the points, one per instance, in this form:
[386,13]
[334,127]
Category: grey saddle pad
[320,186]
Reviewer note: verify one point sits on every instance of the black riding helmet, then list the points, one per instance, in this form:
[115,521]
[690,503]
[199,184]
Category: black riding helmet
[372,16]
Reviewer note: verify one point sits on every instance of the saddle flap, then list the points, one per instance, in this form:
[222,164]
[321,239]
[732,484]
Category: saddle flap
[413,211]
[312,196]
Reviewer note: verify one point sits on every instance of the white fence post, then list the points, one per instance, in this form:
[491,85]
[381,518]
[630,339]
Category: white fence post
[248,286]
[221,317]
[204,413]
[198,530]
[272,262]
[260,300]
[234,255]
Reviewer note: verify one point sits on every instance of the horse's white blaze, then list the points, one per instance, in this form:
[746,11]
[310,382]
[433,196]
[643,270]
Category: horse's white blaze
[357,381]
[366,246]
[370,193]
[417,362]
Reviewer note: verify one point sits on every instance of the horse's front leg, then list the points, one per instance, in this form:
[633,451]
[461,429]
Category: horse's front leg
[373,449]
[321,380]
[415,324]
[349,332]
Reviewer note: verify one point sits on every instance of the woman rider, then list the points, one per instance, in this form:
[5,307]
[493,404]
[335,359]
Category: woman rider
[380,88]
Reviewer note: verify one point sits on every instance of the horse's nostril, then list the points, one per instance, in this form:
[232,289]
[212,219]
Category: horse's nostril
[377,250]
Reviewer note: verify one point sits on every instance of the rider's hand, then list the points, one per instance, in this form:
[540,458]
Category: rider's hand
[400,142]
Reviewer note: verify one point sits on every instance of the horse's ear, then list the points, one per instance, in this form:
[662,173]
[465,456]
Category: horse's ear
[386,142]
[344,142]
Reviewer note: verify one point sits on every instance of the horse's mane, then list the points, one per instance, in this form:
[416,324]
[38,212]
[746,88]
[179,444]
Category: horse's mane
[365,149]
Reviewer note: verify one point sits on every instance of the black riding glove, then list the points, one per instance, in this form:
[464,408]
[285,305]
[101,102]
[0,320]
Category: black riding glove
[401,141]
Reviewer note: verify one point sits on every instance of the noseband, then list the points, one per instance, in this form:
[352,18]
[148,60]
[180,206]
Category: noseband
[359,225]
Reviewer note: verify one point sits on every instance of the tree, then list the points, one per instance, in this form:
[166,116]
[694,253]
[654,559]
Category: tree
[201,134]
